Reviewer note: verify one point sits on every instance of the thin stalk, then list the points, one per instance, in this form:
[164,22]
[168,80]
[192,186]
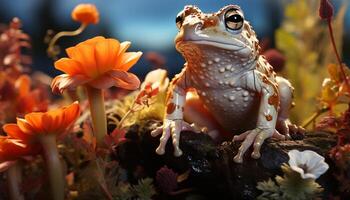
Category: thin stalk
[98,114]
[51,48]
[314,116]
[330,29]
[53,165]
[120,124]
[14,179]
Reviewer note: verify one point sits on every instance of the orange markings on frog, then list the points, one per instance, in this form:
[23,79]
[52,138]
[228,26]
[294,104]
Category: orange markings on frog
[274,99]
[268,117]
[170,108]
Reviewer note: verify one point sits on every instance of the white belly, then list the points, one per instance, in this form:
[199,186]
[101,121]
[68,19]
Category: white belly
[235,109]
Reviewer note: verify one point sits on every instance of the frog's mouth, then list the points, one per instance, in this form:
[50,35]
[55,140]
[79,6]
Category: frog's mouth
[198,38]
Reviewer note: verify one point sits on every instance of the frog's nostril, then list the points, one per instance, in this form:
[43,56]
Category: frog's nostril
[210,22]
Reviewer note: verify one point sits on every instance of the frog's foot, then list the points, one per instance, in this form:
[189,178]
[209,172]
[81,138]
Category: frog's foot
[286,127]
[172,128]
[255,137]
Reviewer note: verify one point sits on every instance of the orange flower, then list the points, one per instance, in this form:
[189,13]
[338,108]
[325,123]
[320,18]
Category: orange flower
[38,123]
[12,149]
[28,100]
[98,62]
[86,14]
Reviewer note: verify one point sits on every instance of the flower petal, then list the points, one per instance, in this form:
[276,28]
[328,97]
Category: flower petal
[116,78]
[22,84]
[68,66]
[14,131]
[6,165]
[106,54]
[85,55]
[65,81]
[72,113]
[123,47]
[35,120]
[128,60]
[24,126]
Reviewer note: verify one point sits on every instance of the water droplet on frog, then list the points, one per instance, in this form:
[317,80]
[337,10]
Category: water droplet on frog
[238,88]
[201,77]
[221,82]
[246,99]
[245,105]
[232,98]
[227,75]
[203,65]
[222,70]
[245,93]
[217,59]
[204,94]
[228,67]
[207,84]
[232,83]
[226,83]
[232,69]
[210,62]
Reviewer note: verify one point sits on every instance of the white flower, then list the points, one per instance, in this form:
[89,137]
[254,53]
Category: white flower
[307,163]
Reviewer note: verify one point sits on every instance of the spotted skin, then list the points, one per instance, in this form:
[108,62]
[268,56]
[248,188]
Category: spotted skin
[234,82]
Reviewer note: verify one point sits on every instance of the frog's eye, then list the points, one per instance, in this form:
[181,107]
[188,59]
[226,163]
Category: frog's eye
[179,19]
[233,19]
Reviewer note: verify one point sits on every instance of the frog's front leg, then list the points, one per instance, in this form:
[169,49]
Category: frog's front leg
[173,122]
[267,116]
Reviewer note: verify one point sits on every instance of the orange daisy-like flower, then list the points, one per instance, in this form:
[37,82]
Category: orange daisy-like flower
[86,14]
[12,149]
[98,62]
[43,123]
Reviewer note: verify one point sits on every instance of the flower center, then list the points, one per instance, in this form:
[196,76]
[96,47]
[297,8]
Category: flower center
[304,167]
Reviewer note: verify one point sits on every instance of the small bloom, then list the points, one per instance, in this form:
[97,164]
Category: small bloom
[34,124]
[98,62]
[307,163]
[326,10]
[145,97]
[86,14]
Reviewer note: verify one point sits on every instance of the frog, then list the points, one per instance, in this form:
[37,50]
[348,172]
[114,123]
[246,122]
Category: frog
[234,83]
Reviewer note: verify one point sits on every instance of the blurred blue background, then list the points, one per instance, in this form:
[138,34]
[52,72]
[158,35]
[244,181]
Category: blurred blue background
[149,24]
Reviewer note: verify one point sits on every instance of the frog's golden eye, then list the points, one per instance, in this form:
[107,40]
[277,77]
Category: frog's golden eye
[179,19]
[233,20]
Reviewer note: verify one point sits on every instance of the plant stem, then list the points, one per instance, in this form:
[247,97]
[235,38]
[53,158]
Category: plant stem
[98,114]
[314,116]
[14,179]
[51,48]
[330,29]
[120,124]
[54,166]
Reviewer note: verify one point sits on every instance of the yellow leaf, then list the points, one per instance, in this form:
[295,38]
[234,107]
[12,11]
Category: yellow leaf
[328,93]
[333,71]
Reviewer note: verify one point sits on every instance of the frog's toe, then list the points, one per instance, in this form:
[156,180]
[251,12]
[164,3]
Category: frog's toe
[240,137]
[254,137]
[249,137]
[157,131]
[259,140]
[163,140]
[280,136]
